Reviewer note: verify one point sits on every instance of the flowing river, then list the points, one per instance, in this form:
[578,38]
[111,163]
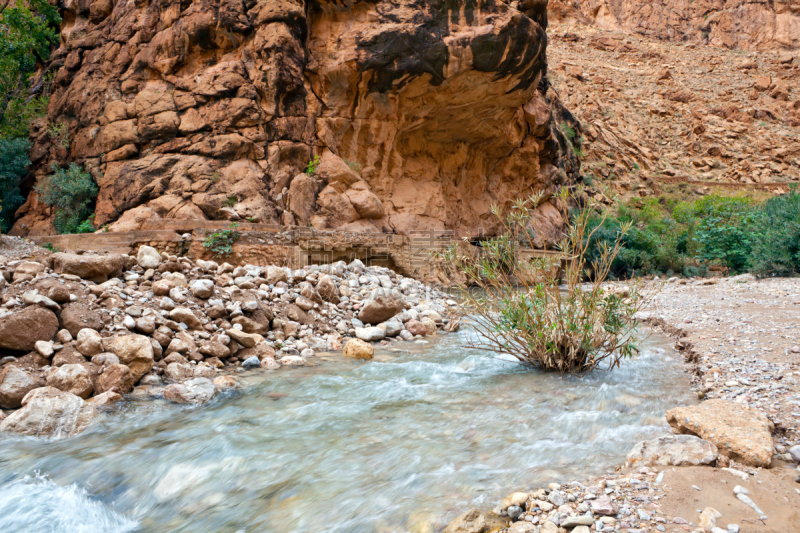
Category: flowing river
[402,443]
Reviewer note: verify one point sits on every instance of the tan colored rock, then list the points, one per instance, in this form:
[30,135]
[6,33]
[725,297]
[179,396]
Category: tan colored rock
[415,327]
[76,316]
[134,351]
[738,431]
[471,521]
[197,390]
[23,328]
[72,378]
[248,340]
[224,382]
[677,450]
[178,371]
[49,412]
[186,316]
[115,378]
[97,268]
[26,271]
[15,383]
[358,349]
[89,342]
[105,399]
[365,202]
[380,309]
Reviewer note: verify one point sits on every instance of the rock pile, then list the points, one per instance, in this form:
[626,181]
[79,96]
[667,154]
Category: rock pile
[92,327]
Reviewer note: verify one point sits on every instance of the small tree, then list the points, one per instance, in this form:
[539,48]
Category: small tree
[71,191]
[513,299]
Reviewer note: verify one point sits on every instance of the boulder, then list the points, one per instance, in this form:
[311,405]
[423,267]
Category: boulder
[77,316]
[471,521]
[204,370]
[358,349]
[739,431]
[67,356]
[197,390]
[134,351]
[89,342]
[148,257]
[248,340]
[97,268]
[276,275]
[328,290]
[21,329]
[71,378]
[415,327]
[178,371]
[53,289]
[49,412]
[214,349]
[115,377]
[380,309]
[370,334]
[224,382]
[104,400]
[202,288]
[185,316]
[675,450]
[15,383]
[26,271]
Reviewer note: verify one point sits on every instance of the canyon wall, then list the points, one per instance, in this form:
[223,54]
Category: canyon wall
[739,24]
[423,113]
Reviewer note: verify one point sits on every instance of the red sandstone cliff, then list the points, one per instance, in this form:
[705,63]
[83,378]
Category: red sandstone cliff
[424,113]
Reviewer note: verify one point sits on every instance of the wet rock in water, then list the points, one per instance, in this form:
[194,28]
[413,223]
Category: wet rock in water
[148,257]
[269,363]
[415,327]
[105,399]
[89,342]
[370,334]
[739,432]
[515,498]
[380,309]
[134,351]
[675,450]
[197,390]
[292,360]
[97,268]
[251,362]
[430,325]
[15,383]
[21,329]
[471,521]
[71,378]
[49,412]
[224,382]
[358,349]
[117,377]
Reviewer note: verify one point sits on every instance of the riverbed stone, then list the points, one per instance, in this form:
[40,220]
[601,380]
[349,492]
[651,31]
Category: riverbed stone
[603,506]
[186,316]
[224,382]
[134,351]
[178,371]
[89,342]
[115,377]
[673,450]
[358,349]
[77,316]
[15,383]
[93,267]
[148,257]
[197,390]
[104,399]
[71,378]
[471,521]
[515,498]
[49,412]
[21,329]
[415,327]
[370,334]
[739,431]
[574,521]
[380,309]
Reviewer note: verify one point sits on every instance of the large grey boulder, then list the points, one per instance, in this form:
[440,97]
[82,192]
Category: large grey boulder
[49,412]
[197,390]
[673,450]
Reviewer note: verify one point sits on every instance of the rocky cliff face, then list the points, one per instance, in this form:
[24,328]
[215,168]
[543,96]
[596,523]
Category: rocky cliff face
[423,113]
[741,24]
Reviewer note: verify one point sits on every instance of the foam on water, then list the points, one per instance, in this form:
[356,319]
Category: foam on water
[36,504]
[347,447]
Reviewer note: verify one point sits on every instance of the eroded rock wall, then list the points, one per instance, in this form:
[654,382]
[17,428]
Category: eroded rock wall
[739,24]
[423,113]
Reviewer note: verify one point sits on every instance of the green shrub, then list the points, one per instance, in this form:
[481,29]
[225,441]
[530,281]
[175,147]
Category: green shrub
[220,243]
[776,246]
[71,191]
[312,165]
[13,162]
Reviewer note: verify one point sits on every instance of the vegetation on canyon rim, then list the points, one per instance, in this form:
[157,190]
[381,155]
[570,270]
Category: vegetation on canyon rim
[518,308]
[674,236]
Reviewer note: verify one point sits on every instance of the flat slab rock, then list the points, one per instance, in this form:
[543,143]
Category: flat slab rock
[673,450]
[738,431]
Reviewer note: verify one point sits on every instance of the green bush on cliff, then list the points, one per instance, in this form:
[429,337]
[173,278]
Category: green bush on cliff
[13,162]
[776,248]
[71,191]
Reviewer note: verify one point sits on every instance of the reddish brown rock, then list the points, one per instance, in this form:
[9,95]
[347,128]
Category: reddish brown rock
[115,377]
[22,328]
[97,268]
[77,315]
